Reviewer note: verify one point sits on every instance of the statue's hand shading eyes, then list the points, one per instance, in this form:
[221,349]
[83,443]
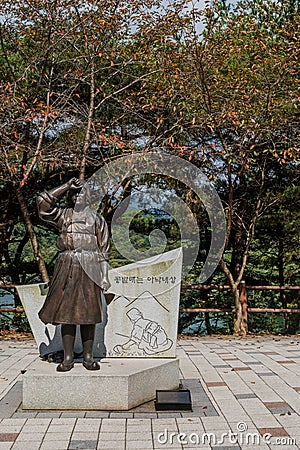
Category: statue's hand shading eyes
[75,183]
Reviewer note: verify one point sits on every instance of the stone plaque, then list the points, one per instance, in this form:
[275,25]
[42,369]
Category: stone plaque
[143,317]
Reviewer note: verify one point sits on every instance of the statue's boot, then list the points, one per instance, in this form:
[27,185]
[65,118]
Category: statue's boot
[68,333]
[87,336]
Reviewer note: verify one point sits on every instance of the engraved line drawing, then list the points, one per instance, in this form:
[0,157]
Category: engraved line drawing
[132,301]
[146,335]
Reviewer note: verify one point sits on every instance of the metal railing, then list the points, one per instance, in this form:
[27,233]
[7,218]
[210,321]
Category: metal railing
[243,296]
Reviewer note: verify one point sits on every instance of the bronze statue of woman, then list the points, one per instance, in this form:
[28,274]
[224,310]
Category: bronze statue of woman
[74,296]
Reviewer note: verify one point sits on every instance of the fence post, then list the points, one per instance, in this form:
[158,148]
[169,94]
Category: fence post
[244,304]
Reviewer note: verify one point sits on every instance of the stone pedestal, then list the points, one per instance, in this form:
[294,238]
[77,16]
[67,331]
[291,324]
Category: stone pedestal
[121,384]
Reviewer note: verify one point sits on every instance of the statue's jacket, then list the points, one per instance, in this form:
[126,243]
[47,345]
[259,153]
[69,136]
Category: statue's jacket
[74,295]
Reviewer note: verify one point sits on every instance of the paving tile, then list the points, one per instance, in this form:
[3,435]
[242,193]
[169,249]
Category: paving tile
[163,415]
[24,415]
[25,437]
[192,420]
[97,414]
[112,436]
[261,446]
[111,445]
[217,425]
[190,428]
[13,422]
[252,363]
[32,445]
[114,423]
[245,396]
[118,415]
[220,366]
[8,437]
[59,445]
[279,407]
[222,352]
[10,429]
[84,436]
[288,361]
[263,420]
[194,352]
[6,445]
[226,447]
[64,436]
[193,414]
[287,420]
[49,414]
[198,448]
[169,447]
[210,384]
[266,374]
[138,445]
[72,414]
[284,446]
[191,351]
[87,425]
[82,445]
[137,429]
[34,429]
[138,421]
[170,421]
[63,428]
[11,401]
[63,421]
[138,424]
[294,432]
[275,432]
[145,415]
[147,436]
[276,404]
[110,429]
[38,422]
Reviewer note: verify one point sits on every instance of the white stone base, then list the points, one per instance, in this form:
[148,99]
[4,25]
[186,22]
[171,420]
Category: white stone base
[120,384]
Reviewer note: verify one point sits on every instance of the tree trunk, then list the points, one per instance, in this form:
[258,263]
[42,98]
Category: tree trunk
[207,323]
[282,294]
[32,236]
[280,260]
[237,249]
[87,138]
[240,328]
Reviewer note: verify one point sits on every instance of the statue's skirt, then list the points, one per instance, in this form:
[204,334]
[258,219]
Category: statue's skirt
[74,297]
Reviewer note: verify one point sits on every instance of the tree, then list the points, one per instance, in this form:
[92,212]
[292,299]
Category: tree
[65,67]
[83,84]
[228,101]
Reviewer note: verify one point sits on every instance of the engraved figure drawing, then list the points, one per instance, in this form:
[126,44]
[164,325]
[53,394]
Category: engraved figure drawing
[147,336]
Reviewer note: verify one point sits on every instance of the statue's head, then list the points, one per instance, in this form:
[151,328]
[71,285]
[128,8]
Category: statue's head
[81,197]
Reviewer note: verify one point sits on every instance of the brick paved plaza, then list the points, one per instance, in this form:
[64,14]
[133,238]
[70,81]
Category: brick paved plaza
[245,395]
